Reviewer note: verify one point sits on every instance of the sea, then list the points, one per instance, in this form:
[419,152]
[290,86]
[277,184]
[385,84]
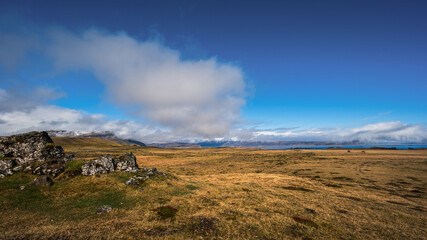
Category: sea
[347,146]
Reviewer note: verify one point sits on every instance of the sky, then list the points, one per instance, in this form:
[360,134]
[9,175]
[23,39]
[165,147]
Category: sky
[162,71]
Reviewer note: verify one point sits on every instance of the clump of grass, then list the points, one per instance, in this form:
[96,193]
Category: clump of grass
[122,176]
[305,221]
[165,212]
[74,164]
[203,225]
[179,193]
[29,200]
[297,189]
[110,197]
[343,178]
[159,231]
[352,198]
[14,181]
[414,179]
[50,144]
[191,187]
[74,168]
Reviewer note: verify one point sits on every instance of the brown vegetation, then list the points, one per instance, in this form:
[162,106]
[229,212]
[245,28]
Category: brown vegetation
[227,193]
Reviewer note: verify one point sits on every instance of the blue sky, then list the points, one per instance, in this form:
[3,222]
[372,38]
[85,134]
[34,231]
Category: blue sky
[238,68]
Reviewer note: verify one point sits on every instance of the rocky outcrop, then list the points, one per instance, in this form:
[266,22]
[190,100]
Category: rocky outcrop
[6,167]
[126,163]
[106,164]
[53,168]
[31,151]
[30,147]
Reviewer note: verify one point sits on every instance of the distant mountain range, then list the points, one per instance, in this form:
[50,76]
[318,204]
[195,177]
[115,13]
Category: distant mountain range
[105,134]
[273,144]
[206,144]
[175,145]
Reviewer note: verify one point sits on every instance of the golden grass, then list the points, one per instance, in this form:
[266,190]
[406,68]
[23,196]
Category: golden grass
[230,193]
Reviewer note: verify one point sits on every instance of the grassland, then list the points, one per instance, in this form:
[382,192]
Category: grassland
[226,193]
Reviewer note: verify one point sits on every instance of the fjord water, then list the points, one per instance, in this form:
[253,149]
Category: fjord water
[346,146]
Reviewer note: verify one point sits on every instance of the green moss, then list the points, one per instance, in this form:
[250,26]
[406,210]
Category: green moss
[14,181]
[305,221]
[179,193]
[50,145]
[191,187]
[30,199]
[122,176]
[165,212]
[74,164]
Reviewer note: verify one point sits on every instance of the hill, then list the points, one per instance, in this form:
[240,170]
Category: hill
[105,135]
[67,142]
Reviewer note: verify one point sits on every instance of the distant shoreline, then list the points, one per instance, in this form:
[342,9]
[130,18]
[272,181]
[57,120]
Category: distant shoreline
[385,147]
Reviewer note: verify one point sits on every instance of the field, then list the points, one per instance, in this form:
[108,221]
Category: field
[226,193]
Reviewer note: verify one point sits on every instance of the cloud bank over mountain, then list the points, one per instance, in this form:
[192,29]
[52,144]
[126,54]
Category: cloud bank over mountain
[28,115]
[382,132]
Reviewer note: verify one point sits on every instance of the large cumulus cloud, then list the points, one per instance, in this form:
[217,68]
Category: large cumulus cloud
[201,97]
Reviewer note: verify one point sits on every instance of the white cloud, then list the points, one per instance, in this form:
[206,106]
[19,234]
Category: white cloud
[40,116]
[186,100]
[48,117]
[202,98]
[382,132]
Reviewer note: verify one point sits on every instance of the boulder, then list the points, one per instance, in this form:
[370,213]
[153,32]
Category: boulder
[52,168]
[42,181]
[6,166]
[132,181]
[103,209]
[104,164]
[126,163]
[30,147]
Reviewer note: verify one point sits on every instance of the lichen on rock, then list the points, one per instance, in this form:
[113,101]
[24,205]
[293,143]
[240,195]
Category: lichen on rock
[104,164]
[126,163]
[33,148]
